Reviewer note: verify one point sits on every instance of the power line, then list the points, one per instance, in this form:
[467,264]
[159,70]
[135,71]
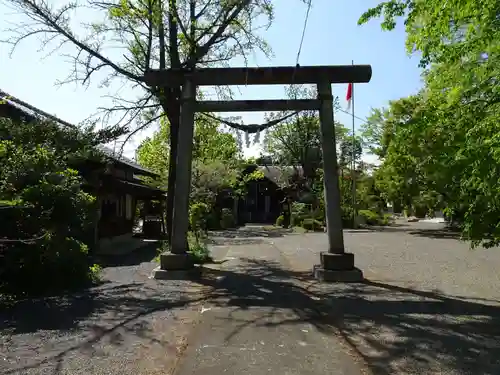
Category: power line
[364,120]
[306,19]
[304,28]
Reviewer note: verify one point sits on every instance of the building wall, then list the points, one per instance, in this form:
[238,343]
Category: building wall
[117,209]
[261,203]
[116,216]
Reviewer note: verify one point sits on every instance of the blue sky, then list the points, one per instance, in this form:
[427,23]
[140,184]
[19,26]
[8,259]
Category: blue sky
[332,37]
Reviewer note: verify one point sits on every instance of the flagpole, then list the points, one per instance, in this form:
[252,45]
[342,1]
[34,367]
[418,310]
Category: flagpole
[353,161]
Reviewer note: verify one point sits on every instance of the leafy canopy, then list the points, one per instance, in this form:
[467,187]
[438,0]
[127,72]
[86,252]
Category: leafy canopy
[444,135]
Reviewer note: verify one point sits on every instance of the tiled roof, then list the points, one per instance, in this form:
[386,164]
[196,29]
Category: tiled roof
[34,112]
[274,172]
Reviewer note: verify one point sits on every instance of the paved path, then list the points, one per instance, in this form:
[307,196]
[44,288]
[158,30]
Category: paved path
[261,321]
[430,306]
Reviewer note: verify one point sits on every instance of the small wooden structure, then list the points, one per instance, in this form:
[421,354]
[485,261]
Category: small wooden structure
[118,189]
[261,203]
[116,182]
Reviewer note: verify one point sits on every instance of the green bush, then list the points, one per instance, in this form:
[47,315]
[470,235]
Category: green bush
[370,217]
[199,251]
[299,211]
[312,224]
[386,219]
[296,221]
[227,219]
[420,210]
[49,226]
[373,218]
[198,217]
[279,221]
[318,214]
[347,216]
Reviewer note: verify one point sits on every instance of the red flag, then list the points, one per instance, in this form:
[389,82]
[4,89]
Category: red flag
[348,96]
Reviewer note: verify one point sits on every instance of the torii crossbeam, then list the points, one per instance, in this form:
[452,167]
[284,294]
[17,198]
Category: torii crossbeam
[336,264]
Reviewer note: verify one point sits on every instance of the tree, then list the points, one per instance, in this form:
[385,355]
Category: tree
[154,152]
[456,122]
[210,178]
[349,146]
[376,133]
[149,34]
[48,226]
[210,144]
[216,158]
[403,177]
[297,140]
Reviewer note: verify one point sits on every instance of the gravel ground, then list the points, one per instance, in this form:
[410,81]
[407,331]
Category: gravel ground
[128,325]
[430,304]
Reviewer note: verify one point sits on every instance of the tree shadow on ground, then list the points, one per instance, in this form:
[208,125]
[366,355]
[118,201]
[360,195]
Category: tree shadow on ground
[146,253]
[245,235]
[249,232]
[438,233]
[395,330]
[43,335]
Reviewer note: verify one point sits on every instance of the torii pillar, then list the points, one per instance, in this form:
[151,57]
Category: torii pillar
[336,263]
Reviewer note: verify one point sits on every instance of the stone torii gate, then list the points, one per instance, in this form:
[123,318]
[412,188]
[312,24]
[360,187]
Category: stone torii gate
[336,264]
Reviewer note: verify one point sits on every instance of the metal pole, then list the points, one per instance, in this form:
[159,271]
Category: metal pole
[353,161]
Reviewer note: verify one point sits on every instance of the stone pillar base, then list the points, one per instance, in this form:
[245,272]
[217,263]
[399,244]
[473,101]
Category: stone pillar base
[176,267]
[188,274]
[176,262]
[337,268]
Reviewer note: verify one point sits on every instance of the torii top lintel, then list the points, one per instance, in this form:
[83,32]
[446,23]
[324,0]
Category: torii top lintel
[283,75]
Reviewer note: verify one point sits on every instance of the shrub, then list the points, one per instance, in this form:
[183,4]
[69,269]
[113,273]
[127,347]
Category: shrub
[319,214]
[347,216]
[299,211]
[420,210]
[370,217]
[312,224]
[48,229]
[199,251]
[280,220]
[386,219]
[95,272]
[296,221]
[373,218]
[198,217]
[163,248]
